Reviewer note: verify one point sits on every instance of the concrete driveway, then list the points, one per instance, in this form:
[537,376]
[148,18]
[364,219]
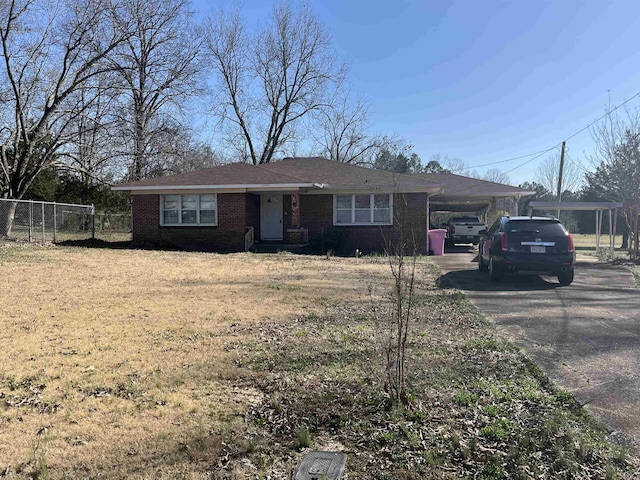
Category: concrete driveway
[586,336]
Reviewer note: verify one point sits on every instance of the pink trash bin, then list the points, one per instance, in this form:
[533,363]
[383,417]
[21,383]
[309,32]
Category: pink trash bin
[436,240]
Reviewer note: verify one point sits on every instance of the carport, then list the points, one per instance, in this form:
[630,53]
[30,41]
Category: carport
[467,194]
[598,207]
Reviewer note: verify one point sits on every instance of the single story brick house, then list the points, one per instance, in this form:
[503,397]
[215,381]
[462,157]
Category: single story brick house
[292,201]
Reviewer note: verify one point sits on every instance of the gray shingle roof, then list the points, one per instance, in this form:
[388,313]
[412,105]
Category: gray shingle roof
[459,185]
[295,172]
[336,174]
[231,174]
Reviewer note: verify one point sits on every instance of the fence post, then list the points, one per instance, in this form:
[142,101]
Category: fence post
[55,223]
[93,222]
[43,239]
[30,219]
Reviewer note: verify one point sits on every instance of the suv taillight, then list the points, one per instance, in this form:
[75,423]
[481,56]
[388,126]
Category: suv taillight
[569,243]
[453,230]
[503,242]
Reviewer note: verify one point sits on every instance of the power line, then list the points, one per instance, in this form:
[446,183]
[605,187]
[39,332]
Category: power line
[542,152]
[577,163]
[603,116]
[512,159]
[531,160]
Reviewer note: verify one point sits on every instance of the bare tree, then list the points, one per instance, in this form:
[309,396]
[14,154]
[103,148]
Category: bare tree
[453,165]
[612,131]
[343,135]
[158,66]
[617,177]
[196,157]
[548,172]
[401,250]
[49,51]
[496,175]
[615,163]
[270,81]
[181,153]
[88,153]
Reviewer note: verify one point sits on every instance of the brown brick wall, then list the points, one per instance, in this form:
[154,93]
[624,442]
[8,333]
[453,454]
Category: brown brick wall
[253,213]
[286,212]
[237,211]
[227,236]
[316,214]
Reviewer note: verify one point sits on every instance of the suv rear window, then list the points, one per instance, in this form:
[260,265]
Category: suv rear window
[543,227]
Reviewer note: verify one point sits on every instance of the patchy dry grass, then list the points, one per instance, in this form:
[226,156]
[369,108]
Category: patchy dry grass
[150,364]
[479,409]
[114,361]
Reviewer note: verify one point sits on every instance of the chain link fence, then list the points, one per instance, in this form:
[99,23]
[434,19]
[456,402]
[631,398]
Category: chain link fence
[44,222]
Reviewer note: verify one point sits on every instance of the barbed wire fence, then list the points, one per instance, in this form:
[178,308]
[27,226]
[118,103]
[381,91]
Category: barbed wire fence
[43,222]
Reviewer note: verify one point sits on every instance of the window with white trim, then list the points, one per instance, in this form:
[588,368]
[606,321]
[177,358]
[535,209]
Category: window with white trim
[362,209]
[189,209]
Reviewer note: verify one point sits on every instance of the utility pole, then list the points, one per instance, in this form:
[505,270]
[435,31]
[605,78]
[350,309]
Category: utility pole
[560,177]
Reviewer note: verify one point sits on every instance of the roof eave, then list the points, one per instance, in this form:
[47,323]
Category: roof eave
[521,193]
[247,187]
[430,189]
[318,187]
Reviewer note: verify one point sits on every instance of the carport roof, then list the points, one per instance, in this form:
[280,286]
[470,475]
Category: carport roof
[459,185]
[467,194]
[574,205]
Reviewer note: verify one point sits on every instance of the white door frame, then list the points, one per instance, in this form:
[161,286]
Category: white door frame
[271,216]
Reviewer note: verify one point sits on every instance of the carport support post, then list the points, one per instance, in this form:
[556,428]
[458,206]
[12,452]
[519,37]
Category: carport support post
[615,224]
[611,241]
[428,222]
[598,229]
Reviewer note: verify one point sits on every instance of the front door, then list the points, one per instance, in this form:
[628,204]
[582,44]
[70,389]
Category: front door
[271,216]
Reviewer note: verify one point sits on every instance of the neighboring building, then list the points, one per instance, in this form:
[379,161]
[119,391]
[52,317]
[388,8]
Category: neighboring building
[294,201]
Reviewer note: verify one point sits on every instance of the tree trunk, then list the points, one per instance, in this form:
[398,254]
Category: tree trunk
[7,214]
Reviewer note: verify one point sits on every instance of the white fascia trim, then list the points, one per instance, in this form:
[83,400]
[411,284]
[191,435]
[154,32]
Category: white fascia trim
[249,187]
[471,195]
[382,189]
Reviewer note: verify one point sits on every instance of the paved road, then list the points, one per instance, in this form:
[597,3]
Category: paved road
[585,336]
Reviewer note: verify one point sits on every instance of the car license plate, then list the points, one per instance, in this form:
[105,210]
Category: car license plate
[537,249]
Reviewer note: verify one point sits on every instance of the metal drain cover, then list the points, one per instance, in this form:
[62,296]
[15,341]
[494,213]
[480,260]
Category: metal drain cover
[317,465]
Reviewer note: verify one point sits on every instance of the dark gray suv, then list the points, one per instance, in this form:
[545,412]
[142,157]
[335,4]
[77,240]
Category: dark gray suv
[529,245]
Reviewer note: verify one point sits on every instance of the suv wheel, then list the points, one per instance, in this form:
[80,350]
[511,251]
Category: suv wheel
[565,278]
[494,276]
[483,267]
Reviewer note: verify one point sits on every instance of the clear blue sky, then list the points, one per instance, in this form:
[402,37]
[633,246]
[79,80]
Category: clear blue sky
[487,80]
